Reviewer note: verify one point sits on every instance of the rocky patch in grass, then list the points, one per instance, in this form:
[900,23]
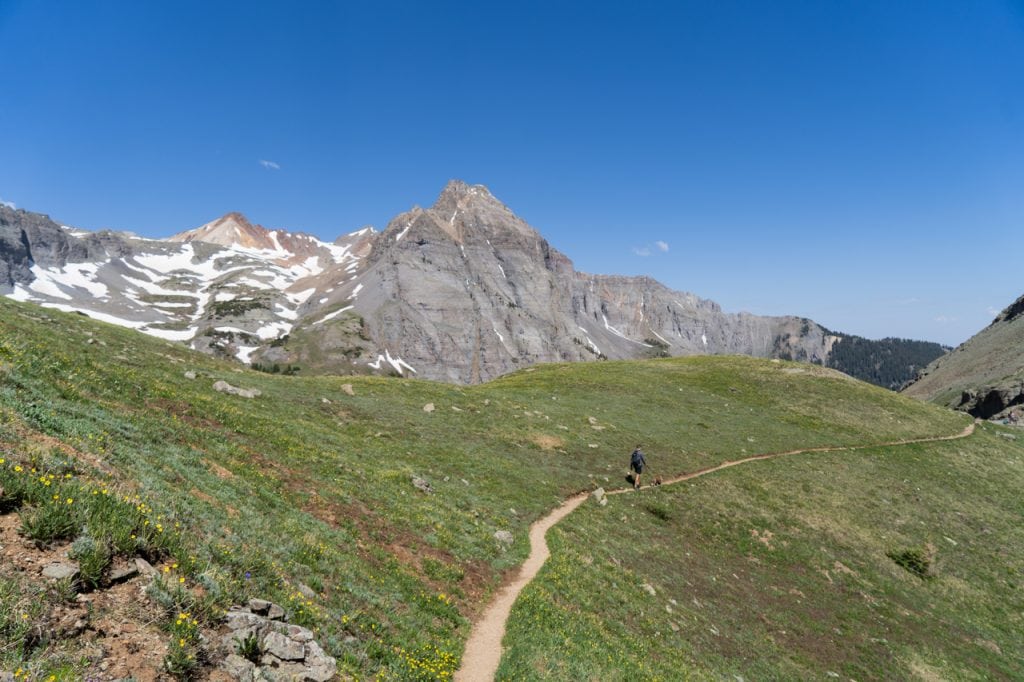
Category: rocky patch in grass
[259,644]
[77,602]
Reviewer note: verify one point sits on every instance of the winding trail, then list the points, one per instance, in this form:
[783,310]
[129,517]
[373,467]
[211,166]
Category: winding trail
[483,649]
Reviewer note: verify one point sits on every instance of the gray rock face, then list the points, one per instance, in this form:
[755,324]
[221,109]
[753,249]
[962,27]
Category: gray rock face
[28,239]
[15,253]
[987,402]
[465,291]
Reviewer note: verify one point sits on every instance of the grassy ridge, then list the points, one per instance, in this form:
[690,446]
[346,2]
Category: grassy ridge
[308,484]
[785,569]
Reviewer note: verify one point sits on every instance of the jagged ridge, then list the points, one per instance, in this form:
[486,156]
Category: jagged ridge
[462,291]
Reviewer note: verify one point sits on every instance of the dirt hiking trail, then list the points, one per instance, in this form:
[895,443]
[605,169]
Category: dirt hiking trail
[483,649]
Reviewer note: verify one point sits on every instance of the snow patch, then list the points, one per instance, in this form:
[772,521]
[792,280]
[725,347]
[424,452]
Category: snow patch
[591,343]
[402,233]
[331,316]
[273,330]
[245,353]
[53,281]
[615,331]
[396,363]
[300,297]
[165,263]
[286,313]
[167,334]
[660,337]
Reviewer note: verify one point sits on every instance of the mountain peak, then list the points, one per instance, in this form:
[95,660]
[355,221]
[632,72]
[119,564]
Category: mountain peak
[231,229]
[458,194]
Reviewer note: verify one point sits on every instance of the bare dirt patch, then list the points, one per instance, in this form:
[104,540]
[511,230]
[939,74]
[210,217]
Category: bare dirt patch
[547,442]
[114,631]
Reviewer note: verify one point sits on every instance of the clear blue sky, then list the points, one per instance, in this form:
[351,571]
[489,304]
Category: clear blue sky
[858,163]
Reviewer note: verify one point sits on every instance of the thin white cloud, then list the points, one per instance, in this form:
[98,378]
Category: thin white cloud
[647,250]
[993,311]
[8,204]
[908,301]
[270,164]
[944,319]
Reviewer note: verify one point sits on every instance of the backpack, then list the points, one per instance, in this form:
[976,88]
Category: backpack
[636,458]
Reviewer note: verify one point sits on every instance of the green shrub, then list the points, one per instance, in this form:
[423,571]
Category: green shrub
[19,611]
[249,648]
[16,485]
[916,560]
[93,558]
[659,510]
[63,591]
[51,522]
[184,655]
[181,661]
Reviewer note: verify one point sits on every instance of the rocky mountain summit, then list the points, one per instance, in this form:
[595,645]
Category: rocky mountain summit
[462,291]
[984,376]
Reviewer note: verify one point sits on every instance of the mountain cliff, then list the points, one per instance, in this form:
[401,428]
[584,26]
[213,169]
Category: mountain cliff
[984,376]
[462,291]
[465,291]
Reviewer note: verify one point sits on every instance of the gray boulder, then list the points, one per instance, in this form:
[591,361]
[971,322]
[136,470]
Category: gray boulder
[57,570]
[422,485]
[504,538]
[224,387]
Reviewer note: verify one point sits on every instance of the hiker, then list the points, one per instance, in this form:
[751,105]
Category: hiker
[637,464]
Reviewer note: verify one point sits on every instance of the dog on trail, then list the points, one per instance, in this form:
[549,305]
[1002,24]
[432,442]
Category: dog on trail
[657,480]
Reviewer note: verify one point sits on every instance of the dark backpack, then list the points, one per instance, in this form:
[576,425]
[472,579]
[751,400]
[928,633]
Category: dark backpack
[636,458]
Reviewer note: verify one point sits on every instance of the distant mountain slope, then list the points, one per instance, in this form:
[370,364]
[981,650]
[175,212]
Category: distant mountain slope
[462,291]
[984,375]
[889,363]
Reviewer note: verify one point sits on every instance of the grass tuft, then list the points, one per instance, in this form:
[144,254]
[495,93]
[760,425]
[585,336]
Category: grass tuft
[917,560]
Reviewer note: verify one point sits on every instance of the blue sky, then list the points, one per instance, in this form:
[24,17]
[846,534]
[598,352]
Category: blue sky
[858,163]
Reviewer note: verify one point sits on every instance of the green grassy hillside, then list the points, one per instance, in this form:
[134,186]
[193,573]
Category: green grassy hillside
[794,568]
[992,358]
[310,484]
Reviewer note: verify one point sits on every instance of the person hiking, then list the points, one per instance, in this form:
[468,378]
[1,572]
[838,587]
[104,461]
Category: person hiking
[637,464]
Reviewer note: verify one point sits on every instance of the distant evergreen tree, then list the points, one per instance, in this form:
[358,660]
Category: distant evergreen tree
[889,363]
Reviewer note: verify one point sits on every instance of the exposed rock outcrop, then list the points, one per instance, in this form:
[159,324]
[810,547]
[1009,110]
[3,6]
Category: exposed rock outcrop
[259,645]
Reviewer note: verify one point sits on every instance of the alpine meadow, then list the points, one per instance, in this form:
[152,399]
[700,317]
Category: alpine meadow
[382,514]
